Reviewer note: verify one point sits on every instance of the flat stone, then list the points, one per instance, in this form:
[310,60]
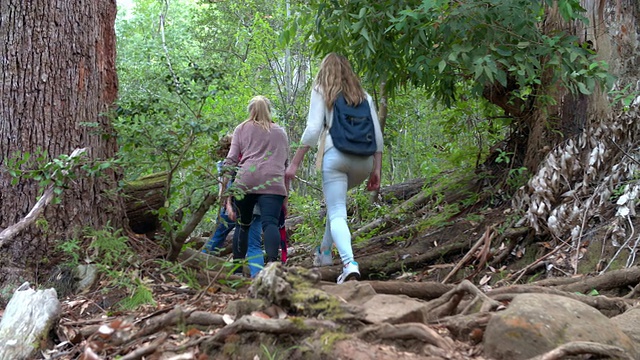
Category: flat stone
[394,309]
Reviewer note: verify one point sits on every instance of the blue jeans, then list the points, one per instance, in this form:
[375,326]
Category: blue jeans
[341,172]
[254,252]
[270,206]
[225,225]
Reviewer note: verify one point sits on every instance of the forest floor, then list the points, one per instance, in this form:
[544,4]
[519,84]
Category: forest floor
[83,315]
[186,322]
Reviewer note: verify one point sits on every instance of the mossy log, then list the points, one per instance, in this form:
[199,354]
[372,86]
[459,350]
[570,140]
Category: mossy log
[143,197]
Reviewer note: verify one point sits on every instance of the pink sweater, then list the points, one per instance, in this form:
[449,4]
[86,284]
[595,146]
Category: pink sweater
[264,158]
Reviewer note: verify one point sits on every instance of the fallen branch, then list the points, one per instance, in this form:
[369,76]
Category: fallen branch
[146,350]
[371,265]
[155,324]
[10,232]
[523,271]
[584,347]
[485,240]
[414,202]
[271,326]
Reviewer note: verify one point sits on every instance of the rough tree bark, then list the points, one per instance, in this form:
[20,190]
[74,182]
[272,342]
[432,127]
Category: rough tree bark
[57,85]
[540,127]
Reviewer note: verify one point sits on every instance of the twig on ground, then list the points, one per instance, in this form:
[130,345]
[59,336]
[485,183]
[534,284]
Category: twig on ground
[484,239]
[146,350]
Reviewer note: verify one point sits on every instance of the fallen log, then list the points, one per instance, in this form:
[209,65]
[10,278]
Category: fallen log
[402,191]
[143,197]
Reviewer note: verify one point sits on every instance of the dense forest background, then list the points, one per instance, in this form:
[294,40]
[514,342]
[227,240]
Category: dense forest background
[187,70]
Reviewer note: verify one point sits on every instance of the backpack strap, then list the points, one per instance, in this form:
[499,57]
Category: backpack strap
[321,145]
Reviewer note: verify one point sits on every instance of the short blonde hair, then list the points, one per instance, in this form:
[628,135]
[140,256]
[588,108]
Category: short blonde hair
[259,110]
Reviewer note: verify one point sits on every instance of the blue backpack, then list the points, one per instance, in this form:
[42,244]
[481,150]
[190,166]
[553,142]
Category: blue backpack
[352,130]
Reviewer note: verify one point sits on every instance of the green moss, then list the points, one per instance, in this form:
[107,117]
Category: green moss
[328,340]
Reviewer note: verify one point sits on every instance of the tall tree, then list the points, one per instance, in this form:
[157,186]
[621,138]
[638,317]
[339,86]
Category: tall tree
[58,84]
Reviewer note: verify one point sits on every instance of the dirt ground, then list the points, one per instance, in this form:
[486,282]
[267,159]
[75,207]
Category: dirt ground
[85,313]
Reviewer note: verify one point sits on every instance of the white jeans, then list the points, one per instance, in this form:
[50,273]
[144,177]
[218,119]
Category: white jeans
[341,172]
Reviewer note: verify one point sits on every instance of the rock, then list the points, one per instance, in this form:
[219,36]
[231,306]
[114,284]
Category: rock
[296,290]
[628,323]
[86,276]
[356,293]
[394,309]
[537,323]
[239,308]
[26,322]
[381,308]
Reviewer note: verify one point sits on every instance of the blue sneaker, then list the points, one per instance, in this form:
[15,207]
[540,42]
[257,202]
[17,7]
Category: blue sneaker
[322,258]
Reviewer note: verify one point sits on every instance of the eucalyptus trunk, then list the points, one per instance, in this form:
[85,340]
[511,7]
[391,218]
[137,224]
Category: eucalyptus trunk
[587,145]
[58,84]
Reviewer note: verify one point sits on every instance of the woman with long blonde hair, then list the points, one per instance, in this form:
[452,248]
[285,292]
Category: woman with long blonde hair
[340,171]
[259,150]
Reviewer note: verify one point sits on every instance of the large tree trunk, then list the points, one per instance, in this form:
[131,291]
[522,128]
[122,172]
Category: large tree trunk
[611,32]
[57,61]
[577,180]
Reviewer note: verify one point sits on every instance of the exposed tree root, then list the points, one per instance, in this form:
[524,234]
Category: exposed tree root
[427,290]
[271,326]
[447,304]
[582,348]
[608,281]
[466,327]
[606,305]
[407,331]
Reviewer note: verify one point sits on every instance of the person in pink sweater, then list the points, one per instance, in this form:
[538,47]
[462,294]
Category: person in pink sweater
[259,178]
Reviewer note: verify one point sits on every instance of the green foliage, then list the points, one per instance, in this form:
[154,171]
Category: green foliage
[438,45]
[72,250]
[625,96]
[311,229]
[109,247]
[184,274]
[54,172]
[142,295]
[187,71]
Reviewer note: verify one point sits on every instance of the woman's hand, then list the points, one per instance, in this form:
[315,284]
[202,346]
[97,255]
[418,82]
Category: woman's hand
[374,178]
[374,181]
[290,172]
[289,175]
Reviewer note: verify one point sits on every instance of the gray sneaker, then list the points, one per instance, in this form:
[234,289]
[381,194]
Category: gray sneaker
[322,258]
[349,272]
